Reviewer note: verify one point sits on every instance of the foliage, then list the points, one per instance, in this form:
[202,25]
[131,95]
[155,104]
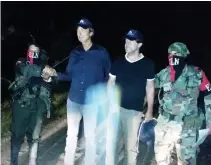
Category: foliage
[58,111]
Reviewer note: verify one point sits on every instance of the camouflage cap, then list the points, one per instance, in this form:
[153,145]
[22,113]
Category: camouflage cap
[180,49]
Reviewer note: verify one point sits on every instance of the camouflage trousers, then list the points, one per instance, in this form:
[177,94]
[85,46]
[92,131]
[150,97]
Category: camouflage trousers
[171,138]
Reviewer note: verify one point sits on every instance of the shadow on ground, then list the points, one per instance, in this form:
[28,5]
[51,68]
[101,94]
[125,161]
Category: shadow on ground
[53,147]
[49,150]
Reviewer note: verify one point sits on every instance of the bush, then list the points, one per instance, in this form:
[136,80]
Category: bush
[59,105]
[58,111]
[6,117]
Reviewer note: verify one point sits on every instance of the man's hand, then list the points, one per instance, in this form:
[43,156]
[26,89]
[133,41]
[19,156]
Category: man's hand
[48,114]
[148,116]
[48,72]
[45,76]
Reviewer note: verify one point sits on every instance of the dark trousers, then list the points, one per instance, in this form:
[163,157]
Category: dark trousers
[26,121]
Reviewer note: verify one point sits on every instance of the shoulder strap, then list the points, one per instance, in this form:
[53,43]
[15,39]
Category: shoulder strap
[191,70]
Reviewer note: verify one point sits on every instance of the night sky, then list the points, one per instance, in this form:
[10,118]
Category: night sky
[53,26]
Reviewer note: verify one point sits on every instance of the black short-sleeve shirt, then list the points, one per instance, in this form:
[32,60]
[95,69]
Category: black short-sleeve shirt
[132,78]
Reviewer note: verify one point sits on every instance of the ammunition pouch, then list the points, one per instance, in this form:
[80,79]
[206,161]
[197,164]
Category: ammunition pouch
[16,95]
[45,94]
[189,122]
[172,117]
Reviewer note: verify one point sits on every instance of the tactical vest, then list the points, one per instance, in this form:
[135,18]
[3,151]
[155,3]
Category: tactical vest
[180,97]
[45,94]
[25,92]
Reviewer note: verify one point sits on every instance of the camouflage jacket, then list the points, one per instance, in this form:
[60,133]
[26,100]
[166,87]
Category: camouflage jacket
[180,97]
[35,86]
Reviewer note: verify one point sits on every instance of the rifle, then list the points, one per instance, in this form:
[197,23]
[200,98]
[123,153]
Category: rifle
[6,80]
[17,93]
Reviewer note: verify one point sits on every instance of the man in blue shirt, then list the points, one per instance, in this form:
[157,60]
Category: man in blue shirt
[89,64]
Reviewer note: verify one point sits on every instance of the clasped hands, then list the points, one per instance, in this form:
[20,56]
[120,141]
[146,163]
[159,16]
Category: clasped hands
[48,72]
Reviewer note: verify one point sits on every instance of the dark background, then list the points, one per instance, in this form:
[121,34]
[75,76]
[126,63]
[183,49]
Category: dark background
[53,26]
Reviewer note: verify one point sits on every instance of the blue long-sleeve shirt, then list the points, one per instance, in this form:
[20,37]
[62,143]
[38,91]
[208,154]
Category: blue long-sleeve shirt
[85,68]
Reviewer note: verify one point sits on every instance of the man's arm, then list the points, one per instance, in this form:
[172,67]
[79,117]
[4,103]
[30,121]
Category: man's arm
[111,81]
[107,65]
[150,92]
[159,77]
[207,101]
[63,76]
[112,72]
[114,94]
[205,87]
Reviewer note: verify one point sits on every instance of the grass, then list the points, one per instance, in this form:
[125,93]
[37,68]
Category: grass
[59,105]
[6,117]
[58,111]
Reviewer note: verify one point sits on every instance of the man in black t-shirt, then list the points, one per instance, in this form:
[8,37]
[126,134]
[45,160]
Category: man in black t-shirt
[134,74]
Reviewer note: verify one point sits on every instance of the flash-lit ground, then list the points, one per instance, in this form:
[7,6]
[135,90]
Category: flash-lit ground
[52,146]
[51,151]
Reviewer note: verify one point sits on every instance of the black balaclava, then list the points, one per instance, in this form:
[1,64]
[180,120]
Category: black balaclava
[33,57]
[177,64]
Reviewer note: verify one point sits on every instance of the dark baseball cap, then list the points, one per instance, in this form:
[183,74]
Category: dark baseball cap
[85,23]
[134,35]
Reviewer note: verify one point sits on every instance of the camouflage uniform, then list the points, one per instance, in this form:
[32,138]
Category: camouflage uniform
[29,106]
[180,118]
